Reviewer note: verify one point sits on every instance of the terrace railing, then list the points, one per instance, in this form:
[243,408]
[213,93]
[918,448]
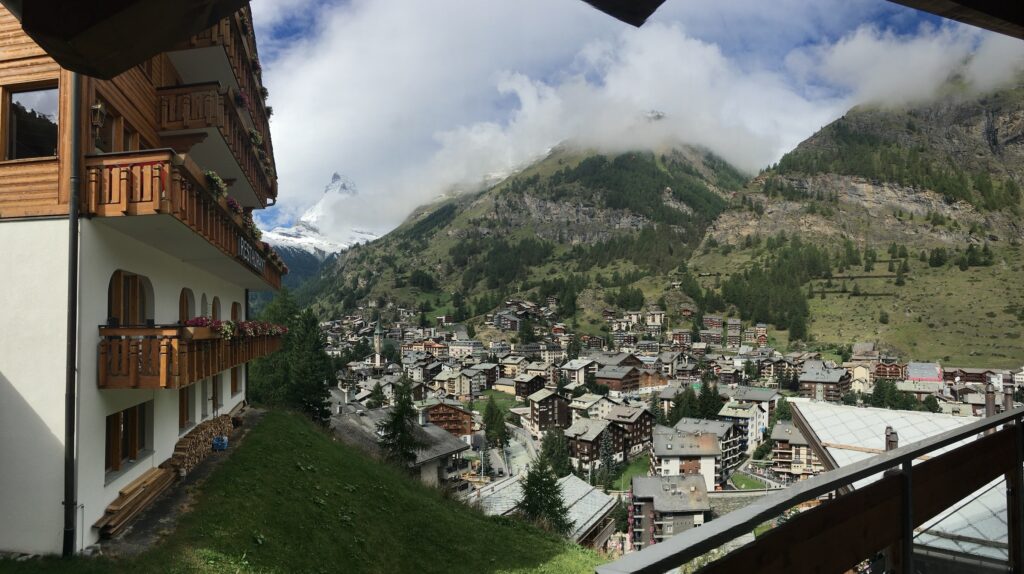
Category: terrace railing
[859,523]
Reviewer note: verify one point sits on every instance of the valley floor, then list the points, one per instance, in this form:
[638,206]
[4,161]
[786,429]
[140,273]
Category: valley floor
[290,499]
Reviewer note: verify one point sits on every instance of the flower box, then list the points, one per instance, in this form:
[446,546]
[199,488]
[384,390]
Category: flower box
[200,333]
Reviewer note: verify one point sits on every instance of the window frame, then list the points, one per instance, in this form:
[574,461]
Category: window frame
[128,437]
[6,92]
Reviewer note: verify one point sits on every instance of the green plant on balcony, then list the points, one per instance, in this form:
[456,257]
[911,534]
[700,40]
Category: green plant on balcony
[235,207]
[256,138]
[270,111]
[242,99]
[217,185]
[264,92]
[251,227]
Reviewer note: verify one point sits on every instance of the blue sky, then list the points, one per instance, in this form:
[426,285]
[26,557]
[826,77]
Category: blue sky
[413,99]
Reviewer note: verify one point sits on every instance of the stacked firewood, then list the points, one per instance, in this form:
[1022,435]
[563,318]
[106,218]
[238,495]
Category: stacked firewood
[192,448]
[133,499]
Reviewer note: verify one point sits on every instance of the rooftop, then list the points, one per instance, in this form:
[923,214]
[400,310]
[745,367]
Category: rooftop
[720,428]
[673,494]
[586,429]
[671,442]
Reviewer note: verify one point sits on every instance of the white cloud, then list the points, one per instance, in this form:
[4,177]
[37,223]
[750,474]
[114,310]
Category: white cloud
[411,98]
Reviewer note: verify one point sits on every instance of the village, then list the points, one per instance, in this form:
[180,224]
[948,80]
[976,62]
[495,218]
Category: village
[669,427]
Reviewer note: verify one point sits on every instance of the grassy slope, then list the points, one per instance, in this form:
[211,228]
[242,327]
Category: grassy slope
[292,500]
[957,317]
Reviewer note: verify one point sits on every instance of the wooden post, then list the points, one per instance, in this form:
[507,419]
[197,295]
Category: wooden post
[1015,503]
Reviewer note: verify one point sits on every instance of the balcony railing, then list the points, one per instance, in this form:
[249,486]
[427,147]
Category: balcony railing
[234,34]
[162,182]
[841,533]
[169,358]
[209,105]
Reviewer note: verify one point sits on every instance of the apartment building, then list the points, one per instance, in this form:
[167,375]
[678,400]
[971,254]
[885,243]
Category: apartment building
[168,161]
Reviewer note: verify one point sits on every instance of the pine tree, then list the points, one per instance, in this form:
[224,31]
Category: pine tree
[542,502]
[309,369]
[708,401]
[398,440]
[376,398]
[555,449]
[485,457]
[269,376]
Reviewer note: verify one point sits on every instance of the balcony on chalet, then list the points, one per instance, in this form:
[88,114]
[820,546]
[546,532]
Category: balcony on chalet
[161,198]
[206,121]
[226,53]
[171,357]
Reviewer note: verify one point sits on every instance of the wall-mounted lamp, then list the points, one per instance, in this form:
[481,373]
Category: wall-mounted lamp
[97,116]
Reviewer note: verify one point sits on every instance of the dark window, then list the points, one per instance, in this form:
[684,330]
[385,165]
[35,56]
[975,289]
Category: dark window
[127,435]
[32,124]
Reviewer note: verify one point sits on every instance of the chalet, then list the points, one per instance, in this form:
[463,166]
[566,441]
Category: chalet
[549,352]
[654,317]
[526,385]
[585,437]
[467,348]
[624,340]
[730,376]
[972,375]
[652,379]
[711,336]
[448,414]
[577,370]
[507,321]
[713,322]
[682,338]
[648,347]
[675,452]
[491,371]
[548,410]
[749,337]
[818,381]
[767,398]
[893,371]
[163,253]
[750,420]
[792,456]
[699,349]
[662,506]
[616,360]
[512,365]
[438,350]
[619,380]
[726,434]
[686,311]
[591,406]
[542,369]
[637,424]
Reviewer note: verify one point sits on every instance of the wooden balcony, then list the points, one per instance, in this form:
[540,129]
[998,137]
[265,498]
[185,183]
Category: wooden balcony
[128,187]
[167,358]
[187,110]
[235,37]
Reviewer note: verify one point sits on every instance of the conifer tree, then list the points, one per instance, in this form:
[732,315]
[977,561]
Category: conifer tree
[398,440]
[708,401]
[309,370]
[542,501]
[607,456]
[376,398]
[555,449]
[269,376]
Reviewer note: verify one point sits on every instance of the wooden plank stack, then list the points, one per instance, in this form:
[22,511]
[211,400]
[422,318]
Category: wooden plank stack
[192,448]
[132,499]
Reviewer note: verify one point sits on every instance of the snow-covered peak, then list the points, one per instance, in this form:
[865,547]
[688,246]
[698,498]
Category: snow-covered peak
[307,233]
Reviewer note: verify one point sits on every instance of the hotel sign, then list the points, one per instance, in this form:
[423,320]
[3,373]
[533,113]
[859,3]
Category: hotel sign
[248,254]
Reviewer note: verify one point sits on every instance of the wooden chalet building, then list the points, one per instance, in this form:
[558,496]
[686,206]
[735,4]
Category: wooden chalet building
[585,437]
[823,383]
[548,410]
[637,425]
[619,380]
[168,160]
[526,385]
[450,415]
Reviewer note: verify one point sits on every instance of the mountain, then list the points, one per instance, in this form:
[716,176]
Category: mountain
[306,234]
[900,226]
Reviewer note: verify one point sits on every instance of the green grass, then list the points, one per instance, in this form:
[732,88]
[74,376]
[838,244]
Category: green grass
[638,467]
[290,499]
[504,401]
[762,528]
[744,482]
[942,314]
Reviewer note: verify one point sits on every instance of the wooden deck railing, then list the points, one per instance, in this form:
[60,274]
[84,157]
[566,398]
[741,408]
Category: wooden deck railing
[166,358]
[162,182]
[208,105]
[234,34]
[841,533]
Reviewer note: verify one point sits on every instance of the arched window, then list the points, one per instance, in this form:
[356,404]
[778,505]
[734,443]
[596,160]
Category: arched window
[204,307]
[129,299]
[236,311]
[215,309]
[186,305]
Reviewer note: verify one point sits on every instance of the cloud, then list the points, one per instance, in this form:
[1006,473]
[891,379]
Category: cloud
[411,99]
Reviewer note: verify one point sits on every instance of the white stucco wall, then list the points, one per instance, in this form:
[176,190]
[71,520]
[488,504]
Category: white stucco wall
[104,251]
[33,256]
